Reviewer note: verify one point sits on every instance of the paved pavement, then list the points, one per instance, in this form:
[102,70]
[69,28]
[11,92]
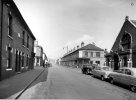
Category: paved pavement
[10,87]
[68,83]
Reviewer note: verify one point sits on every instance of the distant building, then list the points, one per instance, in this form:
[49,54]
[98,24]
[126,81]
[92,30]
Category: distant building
[123,52]
[89,54]
[16,41]
[38,55]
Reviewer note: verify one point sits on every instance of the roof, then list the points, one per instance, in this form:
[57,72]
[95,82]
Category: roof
[17,12]
[133,22]
[87,47]
[91,47]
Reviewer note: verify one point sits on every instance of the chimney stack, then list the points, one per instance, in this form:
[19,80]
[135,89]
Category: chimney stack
[77,46]
[127,18]
[82,44]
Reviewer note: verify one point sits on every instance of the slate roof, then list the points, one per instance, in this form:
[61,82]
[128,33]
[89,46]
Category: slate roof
[91,47]
[133,21]
[19,15]
[87,47]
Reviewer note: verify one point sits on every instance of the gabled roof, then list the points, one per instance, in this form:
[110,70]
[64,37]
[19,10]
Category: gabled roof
[133,22]
[17,12]
[87,47]
[91,47]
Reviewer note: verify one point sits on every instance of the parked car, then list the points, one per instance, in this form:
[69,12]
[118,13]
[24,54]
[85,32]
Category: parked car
[87,68]
[102,72]
[125,76]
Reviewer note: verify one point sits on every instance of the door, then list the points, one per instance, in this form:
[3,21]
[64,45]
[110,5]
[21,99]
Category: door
[19,61]
[16,62]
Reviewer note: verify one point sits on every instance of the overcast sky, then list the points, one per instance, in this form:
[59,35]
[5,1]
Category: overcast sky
[60,23]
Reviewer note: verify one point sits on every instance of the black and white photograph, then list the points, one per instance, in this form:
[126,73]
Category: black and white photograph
[68,49]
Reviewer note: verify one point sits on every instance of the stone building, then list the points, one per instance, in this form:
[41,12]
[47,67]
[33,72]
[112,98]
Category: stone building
[89,54]
[123,52]
[16,41]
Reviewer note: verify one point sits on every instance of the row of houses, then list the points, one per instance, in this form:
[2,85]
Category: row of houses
[122,53]
[16,42]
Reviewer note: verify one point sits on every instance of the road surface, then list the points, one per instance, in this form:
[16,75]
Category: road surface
[69,83]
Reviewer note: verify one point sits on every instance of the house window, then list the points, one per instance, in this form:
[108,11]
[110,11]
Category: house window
[23,39]
[97,54]
[27,41]
[9,49]
[97,62]
[126,41]
[91,54]
[86,54]
[10,24]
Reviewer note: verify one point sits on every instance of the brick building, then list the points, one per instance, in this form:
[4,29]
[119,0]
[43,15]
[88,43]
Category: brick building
[16,41]
[89,54]
[123,52]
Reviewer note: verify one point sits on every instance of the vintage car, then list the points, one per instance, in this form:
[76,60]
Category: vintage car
[125,76]
[87,68]
[102,72]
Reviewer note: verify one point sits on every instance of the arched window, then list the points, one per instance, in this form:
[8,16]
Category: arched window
[126,41]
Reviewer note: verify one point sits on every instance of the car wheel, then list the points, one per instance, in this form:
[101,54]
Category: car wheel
[88,71]
[102,78]
[133,88]
[93,75]
[111,81]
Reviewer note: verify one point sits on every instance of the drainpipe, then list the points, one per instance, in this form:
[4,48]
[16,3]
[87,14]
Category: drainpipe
[1,26]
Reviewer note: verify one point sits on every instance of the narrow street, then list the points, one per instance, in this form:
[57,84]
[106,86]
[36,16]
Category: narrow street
[69,83]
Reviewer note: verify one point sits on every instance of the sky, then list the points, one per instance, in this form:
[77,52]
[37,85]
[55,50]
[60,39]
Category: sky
[58,24]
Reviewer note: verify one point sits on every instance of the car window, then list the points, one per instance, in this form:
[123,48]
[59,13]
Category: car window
[98,68]
[120,71]
[128,72]
[106,68]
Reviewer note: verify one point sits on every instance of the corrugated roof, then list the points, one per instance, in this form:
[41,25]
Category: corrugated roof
[91,47]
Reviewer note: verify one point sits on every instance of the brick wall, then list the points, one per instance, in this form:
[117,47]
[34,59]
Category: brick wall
[15,42]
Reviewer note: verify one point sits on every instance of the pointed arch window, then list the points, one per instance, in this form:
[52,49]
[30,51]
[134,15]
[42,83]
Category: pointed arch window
[126,41]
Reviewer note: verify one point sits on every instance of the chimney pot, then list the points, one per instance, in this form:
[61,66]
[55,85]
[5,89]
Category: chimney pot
[127,18]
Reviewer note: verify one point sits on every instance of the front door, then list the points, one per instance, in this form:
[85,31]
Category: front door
[116,62]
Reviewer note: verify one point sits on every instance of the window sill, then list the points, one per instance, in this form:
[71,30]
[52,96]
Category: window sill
[23,45]
[8,69]
[10,37]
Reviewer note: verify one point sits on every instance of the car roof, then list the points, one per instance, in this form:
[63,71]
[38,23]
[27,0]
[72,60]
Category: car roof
[132,69]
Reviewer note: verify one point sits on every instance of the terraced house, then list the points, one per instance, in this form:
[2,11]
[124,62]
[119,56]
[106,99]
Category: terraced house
[89,54]
[16,41]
